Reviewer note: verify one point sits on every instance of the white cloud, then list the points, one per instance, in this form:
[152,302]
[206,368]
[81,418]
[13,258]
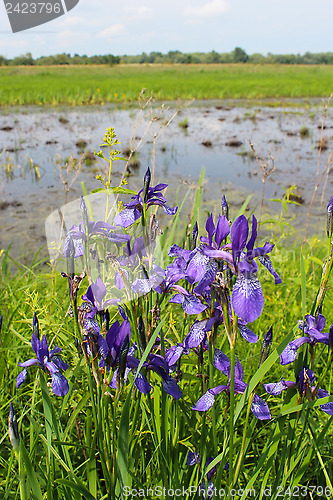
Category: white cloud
[138,13]
[19,45]
[73,21]
[112,31]
[209,9]
[68,39]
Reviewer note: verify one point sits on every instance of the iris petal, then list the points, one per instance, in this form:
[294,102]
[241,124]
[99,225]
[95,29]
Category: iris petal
[260,409]
[205,402]
[196,334]
[60,385]
[127,217]
[247,298]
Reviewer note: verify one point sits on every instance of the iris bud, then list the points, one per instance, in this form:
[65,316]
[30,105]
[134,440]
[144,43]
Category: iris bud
[225,208]
[123,359]
[146,184]
[83,207]
[142,333]
[266,345]
[35,326]
[194,236]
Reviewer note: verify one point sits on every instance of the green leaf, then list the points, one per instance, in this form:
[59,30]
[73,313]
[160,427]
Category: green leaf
[307,405]
[97,190]
[31,474]
[77,487]
[123,440]
[74,414]
[122,190]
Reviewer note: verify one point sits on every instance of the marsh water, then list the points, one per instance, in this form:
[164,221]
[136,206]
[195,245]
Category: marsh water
[36,144]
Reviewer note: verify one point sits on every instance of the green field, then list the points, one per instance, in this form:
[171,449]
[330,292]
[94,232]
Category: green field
[76,85]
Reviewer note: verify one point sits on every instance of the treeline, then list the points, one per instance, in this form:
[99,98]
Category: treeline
[238,55]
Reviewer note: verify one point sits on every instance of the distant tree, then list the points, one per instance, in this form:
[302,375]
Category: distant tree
[213,57]
[239,55]
[24,60]
[257,59]
[174,55]
[143,58]
[62,59]
[3,61]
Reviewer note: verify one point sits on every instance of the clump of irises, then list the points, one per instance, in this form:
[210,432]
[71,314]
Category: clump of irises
[210,285]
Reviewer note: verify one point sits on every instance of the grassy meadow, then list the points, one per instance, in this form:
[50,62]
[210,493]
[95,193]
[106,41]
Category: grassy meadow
[79,85]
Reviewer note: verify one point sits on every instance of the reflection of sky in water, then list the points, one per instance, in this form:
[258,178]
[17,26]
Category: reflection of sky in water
[179,155]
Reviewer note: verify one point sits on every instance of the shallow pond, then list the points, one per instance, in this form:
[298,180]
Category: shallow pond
[35,144]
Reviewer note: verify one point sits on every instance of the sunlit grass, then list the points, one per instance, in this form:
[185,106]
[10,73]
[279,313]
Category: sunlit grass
[77,85]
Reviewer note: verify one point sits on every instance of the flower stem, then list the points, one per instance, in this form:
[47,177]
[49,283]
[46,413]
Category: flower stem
[231,414]
[241,454]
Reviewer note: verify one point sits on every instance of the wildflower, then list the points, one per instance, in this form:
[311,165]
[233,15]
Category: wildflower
[305,378]
[117,354]
[190,303]
[217,318]
[80,234]
[313,329]
[247,298]
[95,295]
[46,360]
[150,196]
[159,365]
[259,407]
[202,266]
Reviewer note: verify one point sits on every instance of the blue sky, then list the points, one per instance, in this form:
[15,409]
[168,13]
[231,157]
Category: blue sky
[132,27]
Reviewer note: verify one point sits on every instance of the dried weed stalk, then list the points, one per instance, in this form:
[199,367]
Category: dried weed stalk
[156,120]
[266,169]
[320,177]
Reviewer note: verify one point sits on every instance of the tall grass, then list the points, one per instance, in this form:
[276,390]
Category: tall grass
[121,84]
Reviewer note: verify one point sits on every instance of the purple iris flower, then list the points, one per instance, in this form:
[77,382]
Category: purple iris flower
[304,385]
[95,295]
[247,298]
[190,303]
[176,270]
[135,259]
[110,349]
[151,281]
[203,266]
[159,365]
[100,228]
[259,407]
[217,318]
[48,361]
[314,333]
[134,208]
